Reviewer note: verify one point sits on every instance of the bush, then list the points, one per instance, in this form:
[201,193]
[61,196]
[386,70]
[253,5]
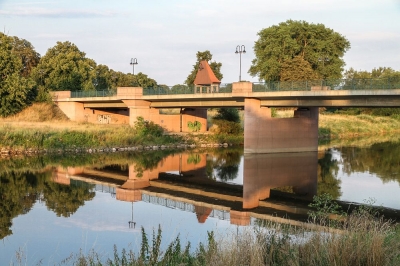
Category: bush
[227,127]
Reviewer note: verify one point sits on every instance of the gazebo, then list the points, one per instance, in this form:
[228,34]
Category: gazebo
[205,81]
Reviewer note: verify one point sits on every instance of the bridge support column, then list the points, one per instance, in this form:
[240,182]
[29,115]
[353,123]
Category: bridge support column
[264,134]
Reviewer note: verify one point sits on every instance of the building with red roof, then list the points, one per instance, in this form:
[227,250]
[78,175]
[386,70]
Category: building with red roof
[206,81]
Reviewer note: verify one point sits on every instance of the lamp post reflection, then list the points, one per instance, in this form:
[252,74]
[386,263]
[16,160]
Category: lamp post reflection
[131,223]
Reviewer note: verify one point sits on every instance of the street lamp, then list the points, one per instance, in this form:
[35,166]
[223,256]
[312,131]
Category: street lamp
[239,50]
[133,63]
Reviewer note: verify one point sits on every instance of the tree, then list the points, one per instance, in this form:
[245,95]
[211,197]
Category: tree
[65,68]
[16,92]
[228,114]
[297,69]
[119,79]
[380,72]
[102,80]
[142,80]
[29,57]
[206,55]
[281,48]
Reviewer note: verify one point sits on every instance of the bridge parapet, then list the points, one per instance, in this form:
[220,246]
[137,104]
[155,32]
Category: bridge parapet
[129,92]
[57,95]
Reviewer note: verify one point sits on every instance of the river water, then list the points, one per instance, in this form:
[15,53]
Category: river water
[55,206]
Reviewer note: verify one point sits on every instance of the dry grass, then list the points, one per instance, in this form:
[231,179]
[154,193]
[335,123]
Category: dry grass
[45,116]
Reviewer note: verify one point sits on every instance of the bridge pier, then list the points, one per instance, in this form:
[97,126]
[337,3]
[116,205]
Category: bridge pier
[265,134]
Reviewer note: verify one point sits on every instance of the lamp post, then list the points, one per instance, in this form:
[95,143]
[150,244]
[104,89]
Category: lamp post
[239,50]
[133,63]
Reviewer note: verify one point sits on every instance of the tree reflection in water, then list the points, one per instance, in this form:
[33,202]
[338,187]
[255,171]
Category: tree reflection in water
[328,183]
[20,190]
[224,164]
[65,200]
[383,159]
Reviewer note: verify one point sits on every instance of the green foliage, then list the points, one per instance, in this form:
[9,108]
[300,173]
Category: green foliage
[200,56]
[281,48]
[297,68]
[194,126]
[65,200]
[16,92]
[181,89]
[26,52]
[193,159]
[144,128]
[65,68]
[328,183]
[228,127]
[324,206]
[142,80]
[225,163]
[228,114]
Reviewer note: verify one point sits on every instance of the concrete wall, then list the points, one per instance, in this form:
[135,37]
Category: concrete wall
[264,134]
[171,123]
[75,111]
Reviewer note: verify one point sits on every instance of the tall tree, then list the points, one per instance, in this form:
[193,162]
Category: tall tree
[142,80]
[280,48]
[206,55]
[16,92]
[65,67]
[29,57]
[102,80]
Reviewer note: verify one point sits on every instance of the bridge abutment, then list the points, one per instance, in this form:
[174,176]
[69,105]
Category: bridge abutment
[265,134]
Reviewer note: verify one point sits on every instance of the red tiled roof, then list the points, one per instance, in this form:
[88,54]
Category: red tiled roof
[205,75]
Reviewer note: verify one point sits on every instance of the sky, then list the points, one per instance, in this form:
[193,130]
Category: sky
[165,35]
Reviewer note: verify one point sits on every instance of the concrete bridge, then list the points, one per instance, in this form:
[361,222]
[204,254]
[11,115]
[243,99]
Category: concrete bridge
[262,133]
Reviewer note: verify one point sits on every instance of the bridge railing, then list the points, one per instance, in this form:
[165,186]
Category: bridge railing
[184,89]
[338,84]
[96,93]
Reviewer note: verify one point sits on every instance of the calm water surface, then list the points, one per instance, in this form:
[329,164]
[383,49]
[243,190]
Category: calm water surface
[52,207]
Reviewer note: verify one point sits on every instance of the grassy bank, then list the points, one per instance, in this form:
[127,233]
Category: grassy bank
[345,126]
[335,126]
[44,126]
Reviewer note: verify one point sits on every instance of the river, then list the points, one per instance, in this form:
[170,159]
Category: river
[55,206]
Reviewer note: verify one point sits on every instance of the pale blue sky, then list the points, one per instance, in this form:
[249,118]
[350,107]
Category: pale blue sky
[164,35]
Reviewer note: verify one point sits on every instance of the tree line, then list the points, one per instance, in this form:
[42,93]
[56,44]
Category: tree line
[291,50]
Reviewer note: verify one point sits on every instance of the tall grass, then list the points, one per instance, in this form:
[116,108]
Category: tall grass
[360,238]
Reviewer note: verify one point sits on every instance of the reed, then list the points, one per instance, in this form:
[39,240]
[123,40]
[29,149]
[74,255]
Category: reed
[361,238]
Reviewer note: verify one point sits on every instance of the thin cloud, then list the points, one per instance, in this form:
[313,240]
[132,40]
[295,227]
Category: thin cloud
[57,13]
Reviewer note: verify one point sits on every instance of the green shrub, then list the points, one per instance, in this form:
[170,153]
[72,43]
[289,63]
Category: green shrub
[228,127]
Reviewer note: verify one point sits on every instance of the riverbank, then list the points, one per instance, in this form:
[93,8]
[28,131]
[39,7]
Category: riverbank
[44,128]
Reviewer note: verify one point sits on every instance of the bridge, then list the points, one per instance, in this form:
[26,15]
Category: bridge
[262,132]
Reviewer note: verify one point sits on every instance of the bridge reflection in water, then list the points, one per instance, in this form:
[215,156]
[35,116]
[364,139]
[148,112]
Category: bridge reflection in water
[182,182]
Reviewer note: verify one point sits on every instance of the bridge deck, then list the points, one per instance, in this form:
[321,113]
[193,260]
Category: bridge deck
[323,98]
